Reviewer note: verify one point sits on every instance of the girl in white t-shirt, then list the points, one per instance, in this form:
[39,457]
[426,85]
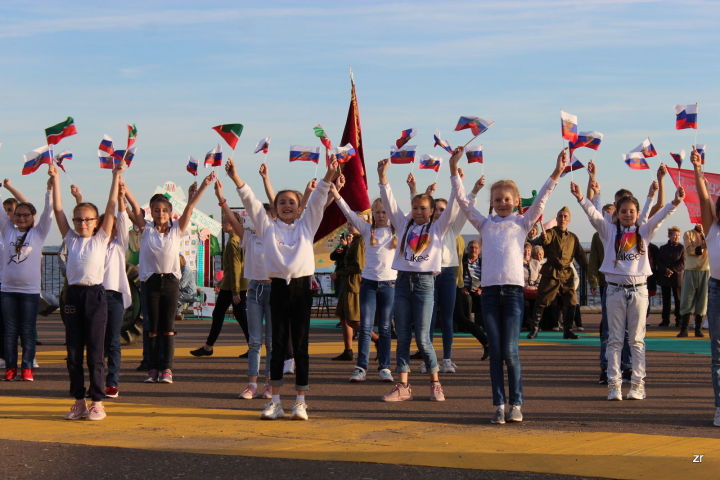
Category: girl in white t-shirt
[84,308]
[160,270]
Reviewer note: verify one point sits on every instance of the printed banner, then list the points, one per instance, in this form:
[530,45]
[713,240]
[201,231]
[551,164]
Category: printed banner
[686,178]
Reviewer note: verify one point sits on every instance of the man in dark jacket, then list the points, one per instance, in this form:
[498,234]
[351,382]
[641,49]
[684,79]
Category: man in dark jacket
[670,267]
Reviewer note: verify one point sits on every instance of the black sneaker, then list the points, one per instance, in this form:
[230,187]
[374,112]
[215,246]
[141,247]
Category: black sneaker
[244,355]
[201,352]
[347,355]
[570,336]
[143,367]
[417,355]
[603,377]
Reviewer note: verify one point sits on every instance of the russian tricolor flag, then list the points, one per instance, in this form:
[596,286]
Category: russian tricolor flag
[701,150]
[431,163]
[646,148]
[678,157]
[106,145]
[106,153]
[128,155]
[345,153]
[587,139]
[686,116]
[61,157]
[304,154]
[405,137]
[474,154]
[214,157]
[576,165]
[403,155]
[636,161]
[568,124]
[263,145]
[476,125]
[192,166]
[442,143]
[35,158]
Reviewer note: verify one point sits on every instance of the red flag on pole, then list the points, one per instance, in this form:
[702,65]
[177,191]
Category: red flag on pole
[355,191]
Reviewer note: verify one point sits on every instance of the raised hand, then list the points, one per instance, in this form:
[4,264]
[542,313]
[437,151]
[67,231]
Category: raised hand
[679,196]
[562,161]
[479,184]
[208,180]
[411,181]
[431,189]
[340,182]
[591,169]
[382,168]
[695,159]
[263,170]
[219,190]
[654,187]
[661,172]
[332,169]
[576,192]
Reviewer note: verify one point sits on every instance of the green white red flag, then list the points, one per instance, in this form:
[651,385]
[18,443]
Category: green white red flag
[230,133]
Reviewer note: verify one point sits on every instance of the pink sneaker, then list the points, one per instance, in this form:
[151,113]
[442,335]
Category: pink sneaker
[399,393]
[96,411]
[436,392]
[267,392]
[249,392]
[78,411]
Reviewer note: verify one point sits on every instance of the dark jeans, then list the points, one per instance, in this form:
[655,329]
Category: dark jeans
[222,303]
[19,311]
[503,313]
[115,313]
[666,291]
[465,304]
[162,291]
[2,330]
[85,316]
[145,324]
[290,311]
[444,307]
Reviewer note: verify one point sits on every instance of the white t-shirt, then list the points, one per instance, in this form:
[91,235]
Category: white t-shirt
[254,267]
[378,257]
[159,253]
[713,248]
[21,271]
[85,258]
[115,277]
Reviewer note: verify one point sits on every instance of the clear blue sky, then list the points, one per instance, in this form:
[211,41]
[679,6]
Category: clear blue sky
[178,68]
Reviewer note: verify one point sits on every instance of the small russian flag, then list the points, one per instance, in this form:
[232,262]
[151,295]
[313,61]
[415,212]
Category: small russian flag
[106,145]
[35,158]
[263,145]
[686,116]
[701,150]
[106,160]
[646,148]
[474,154]
[129,156]
[587,139]
[636,161]
[405,137]
[476,125]
[403,155]
[192,166]
[576,165]
[429,162]
[442,143]
[304,154]
[678,157]
[214,157]
[61,157]
[345,153]
[568,125]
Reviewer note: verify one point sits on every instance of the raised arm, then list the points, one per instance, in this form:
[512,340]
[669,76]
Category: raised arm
[411,184]
[648,229]
[109,218]
[396,216]
[315,206]
[184,219]
[535,210]
[661,172]
[351,216]
[14,191]
[309,188]
[236,224]
[122,219]
[594,215]
[76,193]
[54,185]
[269,191]
[707,212]
[135,213]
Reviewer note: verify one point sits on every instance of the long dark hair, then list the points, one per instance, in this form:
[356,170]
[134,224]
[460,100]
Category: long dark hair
[21,240]
[618,228]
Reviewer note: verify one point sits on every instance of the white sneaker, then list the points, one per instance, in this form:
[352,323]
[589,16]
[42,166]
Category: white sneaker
[499,415]
[614,392]
[272,411]
[35,363]
[716,421]
[385,375]
[515,414]
[637,392]
[299,411]
[2,363]
[448,366]
[358,375]
[423,368]
[289,366]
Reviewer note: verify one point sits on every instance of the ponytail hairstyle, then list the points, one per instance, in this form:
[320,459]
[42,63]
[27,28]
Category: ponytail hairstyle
[373,240]
[618,228]
[21,240]
[423,242]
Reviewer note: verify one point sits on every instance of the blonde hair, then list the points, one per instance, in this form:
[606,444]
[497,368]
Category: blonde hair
[373,240]
[509,184]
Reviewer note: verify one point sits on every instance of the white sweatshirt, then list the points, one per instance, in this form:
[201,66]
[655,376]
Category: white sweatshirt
[407,257]
[378,257]
[629,266]
[288,247]
[503,238]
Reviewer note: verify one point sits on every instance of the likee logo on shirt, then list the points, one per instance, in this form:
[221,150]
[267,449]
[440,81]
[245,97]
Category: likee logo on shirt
[628,241]
[418,243]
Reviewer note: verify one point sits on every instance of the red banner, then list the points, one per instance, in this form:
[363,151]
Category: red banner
[686,179]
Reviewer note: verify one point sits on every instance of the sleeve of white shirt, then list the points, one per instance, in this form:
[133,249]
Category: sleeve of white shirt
[255,208]
[533,212]
[596,218]
[643,218]
[447,218]
[122,229]
[4,221]
[648,229]
[352,217]
[476,218]
[45,222]
[315,206]
[397,217]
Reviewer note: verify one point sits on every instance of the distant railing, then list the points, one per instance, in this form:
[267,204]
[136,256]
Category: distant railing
[51,278]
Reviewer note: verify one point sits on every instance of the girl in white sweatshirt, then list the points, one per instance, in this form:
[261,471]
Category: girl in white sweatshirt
[288,241]
[626,267]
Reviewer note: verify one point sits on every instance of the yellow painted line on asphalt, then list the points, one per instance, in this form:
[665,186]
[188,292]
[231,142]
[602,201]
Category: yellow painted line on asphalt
[471,446]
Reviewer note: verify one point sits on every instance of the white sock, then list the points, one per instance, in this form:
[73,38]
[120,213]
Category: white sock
[499,407]
[276,398]
[300,399]
[253,384]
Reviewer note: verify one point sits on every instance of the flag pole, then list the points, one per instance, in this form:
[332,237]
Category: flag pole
[317,164]
[469,141]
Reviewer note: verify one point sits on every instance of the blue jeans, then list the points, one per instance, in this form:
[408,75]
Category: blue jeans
[375,298]
[414,294]
[19,311]
[605,335]
[444,307]
[502,307]
[713,313]
[258,312]
[115,314]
